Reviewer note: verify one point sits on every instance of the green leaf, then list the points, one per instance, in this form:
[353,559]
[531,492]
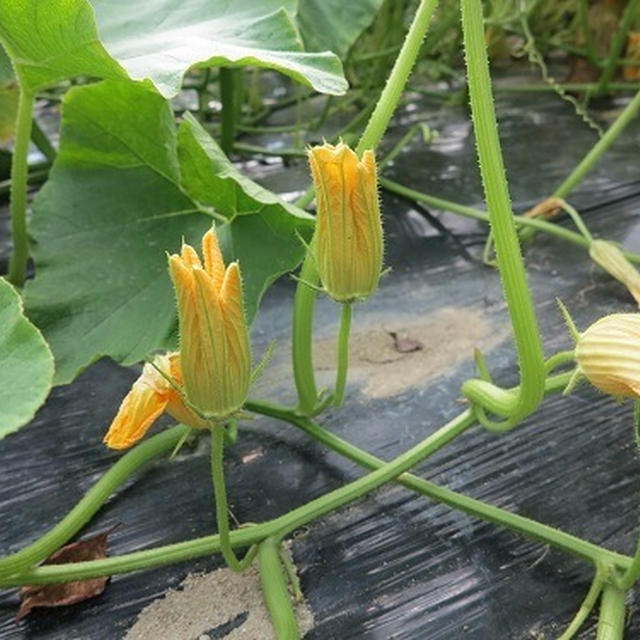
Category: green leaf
[263,230]
[26,364]
[334,25]
[159,40]
[52,40]
[123,191]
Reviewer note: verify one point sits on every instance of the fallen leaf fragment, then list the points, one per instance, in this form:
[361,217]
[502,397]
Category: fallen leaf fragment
[405,344]
[66,593]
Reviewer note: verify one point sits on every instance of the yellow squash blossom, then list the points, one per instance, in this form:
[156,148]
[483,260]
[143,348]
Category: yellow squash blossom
[348,239]
[214,342]
[151,395]
[608,354]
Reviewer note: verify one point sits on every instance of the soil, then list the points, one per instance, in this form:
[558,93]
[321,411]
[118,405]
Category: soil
[218,604]
[382,364]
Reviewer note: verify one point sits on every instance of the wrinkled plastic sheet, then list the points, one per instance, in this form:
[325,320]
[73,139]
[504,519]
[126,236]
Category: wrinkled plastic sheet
[392,565]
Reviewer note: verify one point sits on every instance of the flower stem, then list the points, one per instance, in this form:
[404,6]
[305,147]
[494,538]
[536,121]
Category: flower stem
[245,537]
[19,174]
[512,272]
[39,138]
[222,516]
[275,591]
[343,354]
[587,605]
[398,77]
[302,329]
[228,93]
[586,164]
[128,464]
[302,335]
[612,614]
[577,220]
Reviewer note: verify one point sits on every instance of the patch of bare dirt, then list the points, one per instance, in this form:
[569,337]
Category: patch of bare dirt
[221,602]
[390,355]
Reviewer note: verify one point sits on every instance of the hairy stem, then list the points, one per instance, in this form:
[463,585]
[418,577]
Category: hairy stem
[398,77]
[586,164]
[512,272]
[246,537]
[514,522]
[612,614]
[302,335]
[228,94]
[302,331]
[129,463]
[19,174]
[222,516]
[343,354]
[585,608]
[275,591]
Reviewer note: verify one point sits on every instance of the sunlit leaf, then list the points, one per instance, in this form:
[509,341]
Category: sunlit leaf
[51,40]
[26,364]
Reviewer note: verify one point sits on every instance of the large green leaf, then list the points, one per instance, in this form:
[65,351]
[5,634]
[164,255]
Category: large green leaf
[50,40]
[122,192]
[26,364]
[334,25]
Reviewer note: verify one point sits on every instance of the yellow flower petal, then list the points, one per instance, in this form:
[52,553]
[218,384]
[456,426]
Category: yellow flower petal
[213,263]
[140,408]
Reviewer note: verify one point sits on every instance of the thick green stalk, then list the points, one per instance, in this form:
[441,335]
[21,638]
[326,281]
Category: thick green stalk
[343,354]
[512,272]
[612,614]
[586,164]
[398,77]
[61,533]
[39,138]
[228,94]
[251,535]
[19,174]
[302,335]
[618,42]
[222,516]
[275,591]
[476,214]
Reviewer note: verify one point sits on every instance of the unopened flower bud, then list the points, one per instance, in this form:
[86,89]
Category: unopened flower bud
[349,230]
[608,354]
[214,342]
[614,262]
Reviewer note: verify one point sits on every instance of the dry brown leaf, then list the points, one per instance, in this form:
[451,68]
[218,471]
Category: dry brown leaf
[66,593]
